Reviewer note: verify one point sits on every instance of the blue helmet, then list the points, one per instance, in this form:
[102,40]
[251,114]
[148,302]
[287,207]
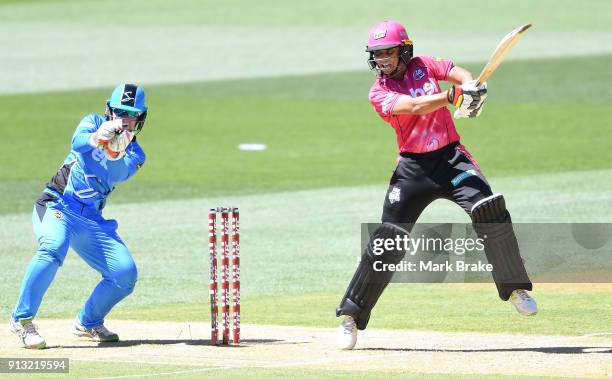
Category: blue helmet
[128,98]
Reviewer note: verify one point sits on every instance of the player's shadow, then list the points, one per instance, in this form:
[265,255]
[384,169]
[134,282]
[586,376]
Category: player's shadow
[546,350]
[190,342]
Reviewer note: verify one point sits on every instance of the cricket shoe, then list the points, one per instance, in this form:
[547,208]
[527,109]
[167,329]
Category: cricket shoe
[347,334]
[523,303]
[98,333]
[26,331]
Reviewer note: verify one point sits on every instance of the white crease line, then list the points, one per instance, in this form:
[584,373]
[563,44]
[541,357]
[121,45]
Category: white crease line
[165,373]
[111,360]
[274,365]
[596,335]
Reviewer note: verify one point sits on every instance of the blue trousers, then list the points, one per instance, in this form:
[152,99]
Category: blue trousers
[62,223]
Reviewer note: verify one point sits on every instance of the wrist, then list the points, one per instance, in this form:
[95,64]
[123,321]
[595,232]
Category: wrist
[94,142]
[454,95]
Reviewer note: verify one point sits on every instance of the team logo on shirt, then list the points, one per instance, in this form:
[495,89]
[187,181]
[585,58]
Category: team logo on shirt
[58,214]
[394,195]
[418,74]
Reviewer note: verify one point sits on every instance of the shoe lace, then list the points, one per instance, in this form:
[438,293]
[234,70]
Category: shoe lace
[348,324]
[101,329]
[523,295]
[28,328]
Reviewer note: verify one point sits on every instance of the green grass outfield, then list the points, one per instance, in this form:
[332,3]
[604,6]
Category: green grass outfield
[542,125]
[545,151]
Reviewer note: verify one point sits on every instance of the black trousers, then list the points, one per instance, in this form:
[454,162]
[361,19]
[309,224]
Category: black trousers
[420,178]
[449,173]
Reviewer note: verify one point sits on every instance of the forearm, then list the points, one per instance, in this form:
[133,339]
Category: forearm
[82,142]
[420,105]
[459,75]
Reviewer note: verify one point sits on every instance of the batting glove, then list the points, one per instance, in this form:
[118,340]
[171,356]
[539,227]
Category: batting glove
[468,98]
[469,113]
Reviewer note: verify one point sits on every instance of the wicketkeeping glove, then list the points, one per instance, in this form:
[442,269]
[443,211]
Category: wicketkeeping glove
[106,132]
[120,141]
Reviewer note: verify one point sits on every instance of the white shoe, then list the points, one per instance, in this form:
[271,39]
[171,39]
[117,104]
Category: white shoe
[26,330]
[523,303]
[347,334]
[99,333]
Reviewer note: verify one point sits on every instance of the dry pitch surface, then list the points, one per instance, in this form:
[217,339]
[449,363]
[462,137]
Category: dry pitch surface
[170,343]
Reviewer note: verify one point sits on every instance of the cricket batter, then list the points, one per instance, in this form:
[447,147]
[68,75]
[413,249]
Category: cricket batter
[432,165]
[68,212]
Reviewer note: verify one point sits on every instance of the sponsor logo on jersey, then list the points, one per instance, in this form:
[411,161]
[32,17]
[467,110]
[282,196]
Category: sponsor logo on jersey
[429,88]
[394,195]
[418,74]
[98,156]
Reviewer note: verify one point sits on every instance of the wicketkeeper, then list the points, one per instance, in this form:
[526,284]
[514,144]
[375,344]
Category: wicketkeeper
[433,164]
[103,153]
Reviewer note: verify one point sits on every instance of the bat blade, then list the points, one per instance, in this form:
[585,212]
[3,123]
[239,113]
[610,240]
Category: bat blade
[500,52]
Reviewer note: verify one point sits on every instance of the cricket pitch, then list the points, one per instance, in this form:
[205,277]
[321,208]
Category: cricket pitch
[188,344]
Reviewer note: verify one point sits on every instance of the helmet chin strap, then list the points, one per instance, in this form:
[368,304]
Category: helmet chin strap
[398,70]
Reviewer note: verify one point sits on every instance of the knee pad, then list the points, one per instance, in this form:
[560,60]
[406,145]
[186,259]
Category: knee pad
[491,209]
[493,224]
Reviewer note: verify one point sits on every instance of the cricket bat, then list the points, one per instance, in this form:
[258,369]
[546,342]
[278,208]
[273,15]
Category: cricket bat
[500,52]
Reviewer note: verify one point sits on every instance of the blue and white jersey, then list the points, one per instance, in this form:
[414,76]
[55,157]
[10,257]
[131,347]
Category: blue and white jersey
[86,175]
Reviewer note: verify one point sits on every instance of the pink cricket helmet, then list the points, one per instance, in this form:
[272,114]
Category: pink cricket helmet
[387,34]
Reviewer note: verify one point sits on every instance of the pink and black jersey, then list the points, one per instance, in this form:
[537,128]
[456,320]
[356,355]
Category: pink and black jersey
[416,133]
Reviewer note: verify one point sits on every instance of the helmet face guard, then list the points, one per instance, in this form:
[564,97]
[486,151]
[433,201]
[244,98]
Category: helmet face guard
[386,35]
[128,100]
[405,55]
[140,117]
[140,122]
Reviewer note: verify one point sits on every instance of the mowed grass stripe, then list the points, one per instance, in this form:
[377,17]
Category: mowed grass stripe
[336,140]
[548,15]
[437,307]
[198,40]
[292,243]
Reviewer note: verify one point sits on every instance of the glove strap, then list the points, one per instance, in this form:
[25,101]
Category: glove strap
[454,95]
